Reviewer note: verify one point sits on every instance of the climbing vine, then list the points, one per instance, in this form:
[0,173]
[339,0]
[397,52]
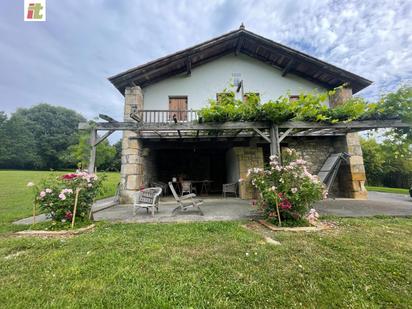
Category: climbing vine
[308,107]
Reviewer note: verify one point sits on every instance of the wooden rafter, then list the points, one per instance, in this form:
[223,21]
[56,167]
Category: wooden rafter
[287,68]
[262,135]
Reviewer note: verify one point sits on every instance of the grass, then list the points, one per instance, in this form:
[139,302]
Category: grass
[364,263]
[16,198]
[388,190]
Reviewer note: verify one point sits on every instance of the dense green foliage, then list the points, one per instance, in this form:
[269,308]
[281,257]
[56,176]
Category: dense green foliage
[363,263]
[47,137]
[388,162]
[308,107]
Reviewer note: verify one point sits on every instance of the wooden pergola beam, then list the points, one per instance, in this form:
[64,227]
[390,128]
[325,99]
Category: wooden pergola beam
[107,118]
[262,135]
[103,137]
[133,126]
[285,134]
[274,141]
[92,160]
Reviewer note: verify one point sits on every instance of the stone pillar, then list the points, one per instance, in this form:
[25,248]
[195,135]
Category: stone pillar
[353,176]
[247,157]
[132,162]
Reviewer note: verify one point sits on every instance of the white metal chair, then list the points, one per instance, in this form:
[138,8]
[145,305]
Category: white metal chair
[229,188]
[147,198]
[185,201]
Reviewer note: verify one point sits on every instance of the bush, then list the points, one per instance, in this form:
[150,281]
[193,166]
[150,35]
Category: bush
[288,190]
[56,195]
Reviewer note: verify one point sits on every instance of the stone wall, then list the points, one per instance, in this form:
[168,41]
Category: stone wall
[131,173]
[314,150]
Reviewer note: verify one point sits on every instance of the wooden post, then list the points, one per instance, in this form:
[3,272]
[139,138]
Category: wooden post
[34,212]
[274,141]
[75,205]
[92,160]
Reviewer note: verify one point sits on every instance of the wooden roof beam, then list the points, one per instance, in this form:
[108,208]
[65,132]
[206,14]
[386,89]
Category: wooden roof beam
[189,65]
[288,67]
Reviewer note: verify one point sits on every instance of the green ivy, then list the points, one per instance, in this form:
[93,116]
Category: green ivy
[308,107]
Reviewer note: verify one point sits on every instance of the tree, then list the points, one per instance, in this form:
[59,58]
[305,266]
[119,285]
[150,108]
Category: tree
[53,129]
[388,162]
[18,148]
[106,154]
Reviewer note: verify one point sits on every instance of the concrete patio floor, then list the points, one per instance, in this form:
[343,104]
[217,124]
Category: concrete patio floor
[378,204]
[214,209]
[219,209]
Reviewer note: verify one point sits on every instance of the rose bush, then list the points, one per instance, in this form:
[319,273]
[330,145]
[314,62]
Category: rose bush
[56,195]
[286,190]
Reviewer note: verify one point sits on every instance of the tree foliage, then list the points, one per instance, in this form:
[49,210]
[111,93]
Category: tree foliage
[47,137]
[388,162]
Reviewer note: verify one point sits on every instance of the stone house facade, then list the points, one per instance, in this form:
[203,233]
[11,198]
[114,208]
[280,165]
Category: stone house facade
[186,80]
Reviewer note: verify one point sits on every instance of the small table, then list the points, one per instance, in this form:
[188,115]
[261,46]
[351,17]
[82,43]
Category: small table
[205,185]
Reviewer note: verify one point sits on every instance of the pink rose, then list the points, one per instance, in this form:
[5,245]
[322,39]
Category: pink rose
[42,194]
[62,196]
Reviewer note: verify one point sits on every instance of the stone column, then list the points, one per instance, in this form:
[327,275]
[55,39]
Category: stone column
[247,157]
[132,162]
[352,177]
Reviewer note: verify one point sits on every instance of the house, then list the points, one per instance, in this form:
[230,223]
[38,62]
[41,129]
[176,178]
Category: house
[170,90]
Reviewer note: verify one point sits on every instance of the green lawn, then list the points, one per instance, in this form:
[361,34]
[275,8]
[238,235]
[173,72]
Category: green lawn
[388,190]
[362,263]
[16,198]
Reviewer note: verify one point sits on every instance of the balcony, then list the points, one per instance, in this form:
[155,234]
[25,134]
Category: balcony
[152,116]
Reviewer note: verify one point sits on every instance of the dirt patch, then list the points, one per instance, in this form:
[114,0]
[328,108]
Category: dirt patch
[49,234]
[265,233]
[321,226]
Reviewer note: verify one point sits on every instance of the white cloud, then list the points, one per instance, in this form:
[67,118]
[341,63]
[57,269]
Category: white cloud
[67,59]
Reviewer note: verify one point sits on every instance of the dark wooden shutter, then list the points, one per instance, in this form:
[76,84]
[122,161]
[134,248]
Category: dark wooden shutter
[178,107]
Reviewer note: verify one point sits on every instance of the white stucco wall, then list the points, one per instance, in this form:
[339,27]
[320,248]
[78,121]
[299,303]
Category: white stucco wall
[211,78]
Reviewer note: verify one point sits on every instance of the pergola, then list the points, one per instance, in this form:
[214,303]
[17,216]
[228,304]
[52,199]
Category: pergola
[160,125]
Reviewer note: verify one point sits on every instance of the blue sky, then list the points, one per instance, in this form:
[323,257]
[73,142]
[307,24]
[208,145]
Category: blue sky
[67,59]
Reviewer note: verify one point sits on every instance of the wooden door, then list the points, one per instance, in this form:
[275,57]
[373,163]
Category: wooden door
[178,107]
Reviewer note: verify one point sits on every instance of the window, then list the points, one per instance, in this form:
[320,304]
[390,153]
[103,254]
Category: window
[178,108]
[293,98]
[255,96]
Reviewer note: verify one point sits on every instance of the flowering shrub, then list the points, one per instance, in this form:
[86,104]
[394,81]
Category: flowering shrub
[287,191]
[56,195]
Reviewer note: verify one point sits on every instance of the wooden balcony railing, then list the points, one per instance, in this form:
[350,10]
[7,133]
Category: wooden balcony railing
[166,116]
